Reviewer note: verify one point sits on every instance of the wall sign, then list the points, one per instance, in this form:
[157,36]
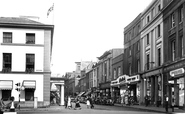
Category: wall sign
[176,72]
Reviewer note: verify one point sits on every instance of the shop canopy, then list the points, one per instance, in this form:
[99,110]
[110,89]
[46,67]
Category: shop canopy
[87,93]
[6,84]
[80,94]
[29,84]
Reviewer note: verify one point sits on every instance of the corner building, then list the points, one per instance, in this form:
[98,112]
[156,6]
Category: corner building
[25,57]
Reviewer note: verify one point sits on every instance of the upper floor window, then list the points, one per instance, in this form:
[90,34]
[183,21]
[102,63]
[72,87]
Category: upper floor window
[173,50]
[114,73]
[181,14]
[159,30]
[30,38]
[159,56]
[7,37]
[147,61]
[148,19]
[173,20]
[147,39]
[138,46]
[182,46]
[159,7]
[130,68]
[30,62]
[129,51]
[119,71]
[7,62]
[138,65]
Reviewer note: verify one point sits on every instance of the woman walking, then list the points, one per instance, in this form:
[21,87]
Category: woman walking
[88,102]
[69,105]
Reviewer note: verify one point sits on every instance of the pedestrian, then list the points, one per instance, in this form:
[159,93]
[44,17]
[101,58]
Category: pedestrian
[146,100]
[91,102]
[12,107]
[77,104]
[2,106]
[65,102]
[69,105]
[88,102]
[166,103]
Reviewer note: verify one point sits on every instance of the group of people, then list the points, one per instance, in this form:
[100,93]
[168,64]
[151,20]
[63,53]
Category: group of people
[68,103]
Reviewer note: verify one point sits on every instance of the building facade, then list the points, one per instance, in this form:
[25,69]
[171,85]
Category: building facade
[132,58]
[25,58]
[174,52]
[152,52]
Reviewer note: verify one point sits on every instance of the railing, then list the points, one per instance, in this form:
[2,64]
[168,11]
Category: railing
[6,70]
[29,70]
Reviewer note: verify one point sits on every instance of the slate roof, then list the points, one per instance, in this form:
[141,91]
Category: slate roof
[18,20]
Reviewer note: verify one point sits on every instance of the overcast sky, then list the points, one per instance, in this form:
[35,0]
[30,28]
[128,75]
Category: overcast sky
[84,29]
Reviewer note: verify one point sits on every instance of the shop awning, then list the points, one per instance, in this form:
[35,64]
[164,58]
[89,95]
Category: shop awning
[29,84]
[6,84]
[87,93]
[80,94]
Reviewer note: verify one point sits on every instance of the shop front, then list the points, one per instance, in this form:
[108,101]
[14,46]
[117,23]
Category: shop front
[122,80]
[174,83]
[105,90]
[115,91]
[134,88]
[152,82]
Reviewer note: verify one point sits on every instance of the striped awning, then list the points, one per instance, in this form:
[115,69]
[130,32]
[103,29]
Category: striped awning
[29,84]
[6,84]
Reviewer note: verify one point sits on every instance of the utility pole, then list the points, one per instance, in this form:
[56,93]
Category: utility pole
[19,90]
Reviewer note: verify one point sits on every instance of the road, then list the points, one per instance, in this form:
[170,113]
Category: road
[99,109]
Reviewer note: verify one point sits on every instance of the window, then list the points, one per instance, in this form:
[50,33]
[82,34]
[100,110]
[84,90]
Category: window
[181,14]
[30,38]
[138,66]
[114,73]
[138,46]
[30,63]
[159,30]
[119,71]
[182,45]
[148,19]
[29,94]
[7,37]
[7,62]
[147,39]
[173,50]
[159,56]
[130,51]
[6,94]
[147,61]
[173,20]
[130,68]
[159,7]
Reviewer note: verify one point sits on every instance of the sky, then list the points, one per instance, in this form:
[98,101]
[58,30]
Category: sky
[84,29]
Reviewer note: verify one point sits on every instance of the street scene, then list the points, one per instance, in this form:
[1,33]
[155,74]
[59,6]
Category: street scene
[92,56]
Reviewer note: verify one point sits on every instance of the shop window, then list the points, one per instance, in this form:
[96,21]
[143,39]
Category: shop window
[6,94]
[29,94]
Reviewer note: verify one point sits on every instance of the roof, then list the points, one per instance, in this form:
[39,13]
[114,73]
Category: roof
[18,20]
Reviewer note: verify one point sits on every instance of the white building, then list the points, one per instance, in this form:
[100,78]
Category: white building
[25,55]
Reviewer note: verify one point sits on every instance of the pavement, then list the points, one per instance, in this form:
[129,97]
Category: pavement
[149,108]
[154,108]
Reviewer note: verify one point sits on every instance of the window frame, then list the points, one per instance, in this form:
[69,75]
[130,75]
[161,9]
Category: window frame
[28,58]
[30,35]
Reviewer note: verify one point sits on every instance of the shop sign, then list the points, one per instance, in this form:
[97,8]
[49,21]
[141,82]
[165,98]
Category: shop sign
[122,79]
[133,78]
[176,72]
[114,82]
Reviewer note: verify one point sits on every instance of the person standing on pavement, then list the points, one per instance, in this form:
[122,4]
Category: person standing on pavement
[69,105]
[65,101]
[77,104]
[146,100]
[166,103]
[91,102]
[88,102]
